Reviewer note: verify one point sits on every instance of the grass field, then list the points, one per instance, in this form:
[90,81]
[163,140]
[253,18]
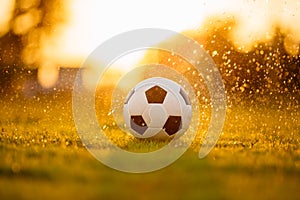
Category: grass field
[42,157]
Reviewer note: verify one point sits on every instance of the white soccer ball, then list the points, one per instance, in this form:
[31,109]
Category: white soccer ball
[157,108]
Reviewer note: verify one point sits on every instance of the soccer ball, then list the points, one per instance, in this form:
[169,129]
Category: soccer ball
[157,108]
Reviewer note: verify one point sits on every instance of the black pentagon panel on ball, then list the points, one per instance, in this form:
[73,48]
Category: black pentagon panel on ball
[138,124]
[156,94]
[172,125]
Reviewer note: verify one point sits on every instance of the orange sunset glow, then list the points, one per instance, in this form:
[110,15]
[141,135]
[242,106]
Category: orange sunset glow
[71,31]
[87,114]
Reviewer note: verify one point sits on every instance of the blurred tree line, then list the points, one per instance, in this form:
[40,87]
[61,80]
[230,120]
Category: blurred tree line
[266,70]
[20,46]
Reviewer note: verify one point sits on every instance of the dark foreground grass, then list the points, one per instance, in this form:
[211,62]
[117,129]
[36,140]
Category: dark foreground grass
[42,157]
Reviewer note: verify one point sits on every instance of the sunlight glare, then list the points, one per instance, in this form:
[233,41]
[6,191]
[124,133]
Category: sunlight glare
[6,12]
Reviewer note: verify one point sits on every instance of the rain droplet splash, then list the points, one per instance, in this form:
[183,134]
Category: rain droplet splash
[87,122]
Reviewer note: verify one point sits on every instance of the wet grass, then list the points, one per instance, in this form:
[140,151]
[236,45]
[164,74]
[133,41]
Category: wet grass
[42,157]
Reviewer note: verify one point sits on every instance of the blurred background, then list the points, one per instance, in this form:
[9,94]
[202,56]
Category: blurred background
[256,46]
[254,43]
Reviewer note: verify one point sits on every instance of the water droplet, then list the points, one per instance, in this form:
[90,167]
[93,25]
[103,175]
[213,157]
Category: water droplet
[214,53]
